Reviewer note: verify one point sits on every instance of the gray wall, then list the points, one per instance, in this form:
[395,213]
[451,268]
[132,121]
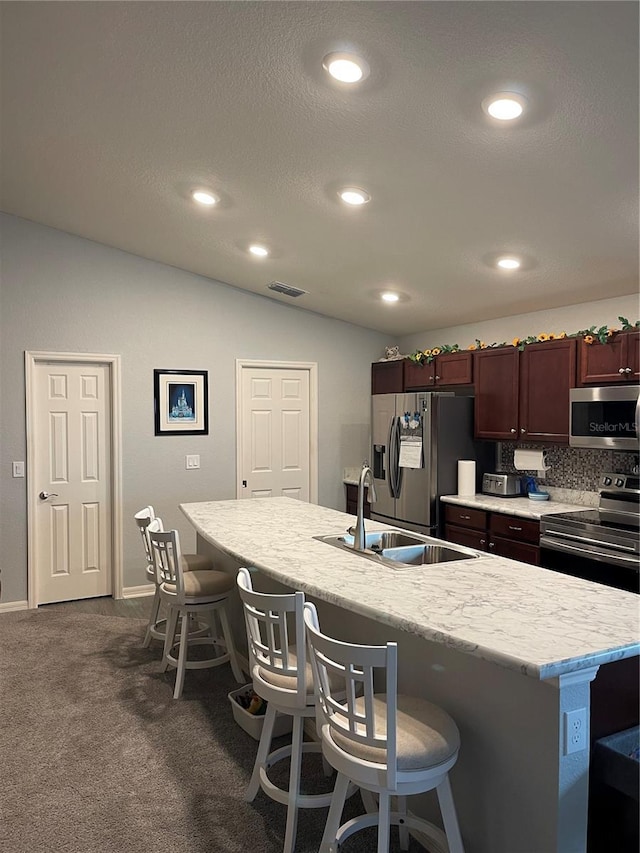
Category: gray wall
[65,294]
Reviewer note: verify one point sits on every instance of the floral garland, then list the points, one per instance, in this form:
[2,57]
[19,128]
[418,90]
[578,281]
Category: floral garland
[590,335]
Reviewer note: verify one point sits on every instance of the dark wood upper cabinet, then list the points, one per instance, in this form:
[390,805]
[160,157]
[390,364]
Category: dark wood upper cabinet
[452,368]
[615,362]
[496,384]
[387,377]
[525,395]
[547,372]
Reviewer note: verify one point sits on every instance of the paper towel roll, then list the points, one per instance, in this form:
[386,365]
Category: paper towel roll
[466,477]
[531,460]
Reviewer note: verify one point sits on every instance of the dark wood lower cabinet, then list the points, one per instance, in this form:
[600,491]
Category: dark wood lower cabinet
[352,501]
[498,533]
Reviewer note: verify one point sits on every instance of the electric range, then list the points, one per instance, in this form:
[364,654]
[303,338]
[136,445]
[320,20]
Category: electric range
[600,544]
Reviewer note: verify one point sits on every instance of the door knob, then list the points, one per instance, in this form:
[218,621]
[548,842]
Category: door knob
[44,495]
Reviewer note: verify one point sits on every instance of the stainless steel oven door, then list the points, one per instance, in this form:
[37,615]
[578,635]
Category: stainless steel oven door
[586,559]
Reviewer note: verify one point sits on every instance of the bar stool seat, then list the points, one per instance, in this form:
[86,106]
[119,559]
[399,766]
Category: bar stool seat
[198,594]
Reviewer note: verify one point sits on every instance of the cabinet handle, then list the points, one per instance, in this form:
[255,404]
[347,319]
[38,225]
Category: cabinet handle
[491,545]
[465,517]
[626,370]
[437,377]
[483,541]
[621,370]
[522,429]
[511,527]
[513,430]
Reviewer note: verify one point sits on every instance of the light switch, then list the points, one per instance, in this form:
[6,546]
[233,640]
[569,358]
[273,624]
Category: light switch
[192,461]
[18,469]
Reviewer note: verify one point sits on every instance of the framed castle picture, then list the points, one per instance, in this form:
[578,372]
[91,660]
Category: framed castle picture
[181,401]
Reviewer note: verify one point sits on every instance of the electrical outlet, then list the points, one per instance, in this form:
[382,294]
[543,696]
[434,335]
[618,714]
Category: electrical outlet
[192,461]
[575,731]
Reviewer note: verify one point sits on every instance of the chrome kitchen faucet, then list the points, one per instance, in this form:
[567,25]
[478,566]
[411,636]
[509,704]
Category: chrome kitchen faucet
[366,479]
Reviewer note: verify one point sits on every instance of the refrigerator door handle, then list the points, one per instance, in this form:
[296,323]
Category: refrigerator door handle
[395,472]
[390,459]
[398,468]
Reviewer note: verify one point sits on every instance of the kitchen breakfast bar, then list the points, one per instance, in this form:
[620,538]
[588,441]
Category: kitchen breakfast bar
[508,649]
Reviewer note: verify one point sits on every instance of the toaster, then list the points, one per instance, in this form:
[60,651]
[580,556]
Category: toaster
[502,485]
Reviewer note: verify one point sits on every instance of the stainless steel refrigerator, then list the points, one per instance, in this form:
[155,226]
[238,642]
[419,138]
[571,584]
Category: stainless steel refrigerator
[417,440]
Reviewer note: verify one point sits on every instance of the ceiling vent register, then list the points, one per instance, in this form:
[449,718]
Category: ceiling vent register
[280,287]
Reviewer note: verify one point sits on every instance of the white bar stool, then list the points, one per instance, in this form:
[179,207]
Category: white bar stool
[198,593]
[156,626]
[388,744]
[281,676]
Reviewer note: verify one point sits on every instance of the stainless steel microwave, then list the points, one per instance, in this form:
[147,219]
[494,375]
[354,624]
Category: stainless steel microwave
[605,418]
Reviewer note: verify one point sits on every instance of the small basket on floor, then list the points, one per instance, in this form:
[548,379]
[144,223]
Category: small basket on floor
[252,723]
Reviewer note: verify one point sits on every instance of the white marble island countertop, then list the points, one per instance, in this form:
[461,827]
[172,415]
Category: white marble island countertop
[522,617]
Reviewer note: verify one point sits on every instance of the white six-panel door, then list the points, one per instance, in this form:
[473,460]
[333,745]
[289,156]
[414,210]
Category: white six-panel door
[72,464]
[275,441]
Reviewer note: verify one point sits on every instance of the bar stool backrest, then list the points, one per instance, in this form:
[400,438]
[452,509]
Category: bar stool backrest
[271,638]
[342,673]
[165,549]
[143,518]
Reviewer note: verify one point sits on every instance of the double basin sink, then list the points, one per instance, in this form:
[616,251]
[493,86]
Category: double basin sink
[400,548]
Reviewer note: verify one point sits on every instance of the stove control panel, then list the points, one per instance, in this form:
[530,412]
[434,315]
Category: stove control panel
[627,482]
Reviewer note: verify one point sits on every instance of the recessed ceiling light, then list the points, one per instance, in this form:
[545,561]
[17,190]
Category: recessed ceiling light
[354,196]
[504,106]
[346,67]
[203,197]
[509,263]
[258,251]
[390,297]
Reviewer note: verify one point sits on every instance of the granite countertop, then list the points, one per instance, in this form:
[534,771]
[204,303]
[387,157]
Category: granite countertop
[532,620]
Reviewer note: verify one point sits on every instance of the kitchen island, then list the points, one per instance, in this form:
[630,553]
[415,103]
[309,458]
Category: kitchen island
[507,648]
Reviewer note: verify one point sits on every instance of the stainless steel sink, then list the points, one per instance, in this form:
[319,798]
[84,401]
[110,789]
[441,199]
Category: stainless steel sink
[397,548]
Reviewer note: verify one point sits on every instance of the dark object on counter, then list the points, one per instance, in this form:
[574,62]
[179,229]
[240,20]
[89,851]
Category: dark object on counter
[502,485]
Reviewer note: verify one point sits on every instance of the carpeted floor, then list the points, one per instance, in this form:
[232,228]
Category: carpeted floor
[97,757]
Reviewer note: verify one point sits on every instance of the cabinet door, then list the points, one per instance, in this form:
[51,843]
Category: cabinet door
[605,364]
[547,372]
[454,368]
[524,552]
[463,516]
[417,377]
[387,377]
[496,393]
[463,536]
[514,527]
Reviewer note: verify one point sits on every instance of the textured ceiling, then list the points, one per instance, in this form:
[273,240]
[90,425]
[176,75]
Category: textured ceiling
[113,112]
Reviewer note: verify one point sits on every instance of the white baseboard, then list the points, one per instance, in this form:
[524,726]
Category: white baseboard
[137,591]
[9,606]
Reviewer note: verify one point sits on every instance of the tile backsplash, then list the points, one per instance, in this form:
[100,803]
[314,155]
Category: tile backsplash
[570,467]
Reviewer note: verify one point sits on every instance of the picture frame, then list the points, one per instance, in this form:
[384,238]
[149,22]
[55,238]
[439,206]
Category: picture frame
[181,402]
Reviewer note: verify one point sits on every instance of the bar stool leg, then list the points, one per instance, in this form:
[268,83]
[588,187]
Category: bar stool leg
[404,831]
[328,844]
[172,621]
[294,785]
[383,822]
[231,649]
[264,748]
[449,816]
[153,618]
[182,656]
